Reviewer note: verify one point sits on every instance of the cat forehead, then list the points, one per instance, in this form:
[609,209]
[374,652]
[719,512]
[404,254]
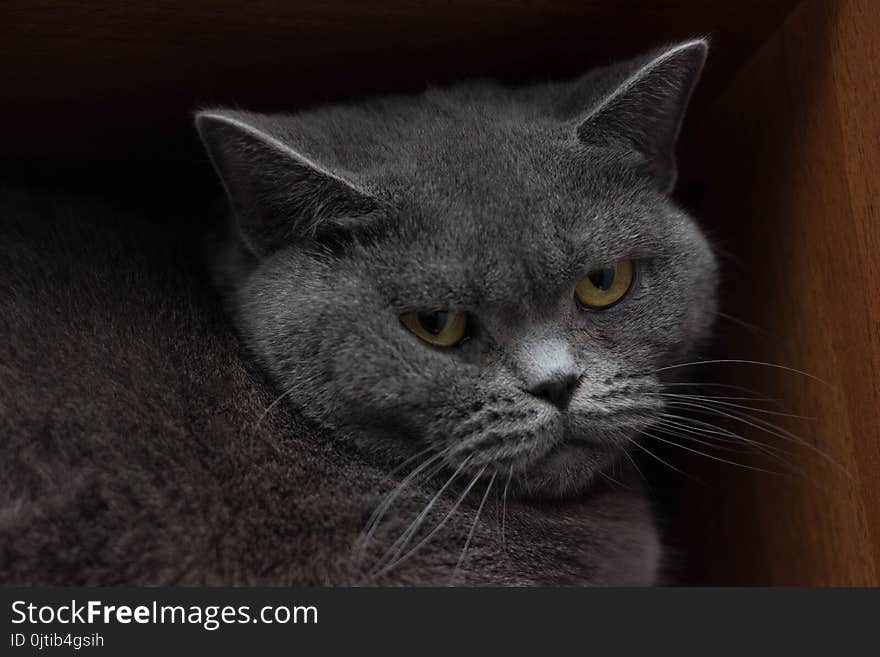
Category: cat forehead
[409,135]
[522,204]
[456,254]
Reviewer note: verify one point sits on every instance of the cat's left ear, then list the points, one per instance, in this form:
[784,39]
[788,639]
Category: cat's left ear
[644,113]
[278,194]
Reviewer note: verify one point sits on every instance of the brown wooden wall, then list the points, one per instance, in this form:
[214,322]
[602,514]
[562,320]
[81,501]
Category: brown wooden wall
[789,155]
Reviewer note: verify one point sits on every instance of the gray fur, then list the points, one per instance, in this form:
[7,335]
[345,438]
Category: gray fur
[133,451]
[139,450]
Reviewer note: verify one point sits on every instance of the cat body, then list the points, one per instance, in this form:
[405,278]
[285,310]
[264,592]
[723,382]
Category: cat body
[137,450]
[431,287]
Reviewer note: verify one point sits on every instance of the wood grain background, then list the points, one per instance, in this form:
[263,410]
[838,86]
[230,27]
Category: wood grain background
[789,157]
[780,161]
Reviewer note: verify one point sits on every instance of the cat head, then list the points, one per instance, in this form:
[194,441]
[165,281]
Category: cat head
[493,275]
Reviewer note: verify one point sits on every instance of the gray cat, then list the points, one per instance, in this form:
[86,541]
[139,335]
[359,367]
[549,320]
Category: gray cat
[461,300]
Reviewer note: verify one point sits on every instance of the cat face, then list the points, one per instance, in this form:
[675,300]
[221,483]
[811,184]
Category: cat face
[492,275]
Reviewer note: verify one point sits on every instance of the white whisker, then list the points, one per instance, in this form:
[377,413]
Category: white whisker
[388,500]
[471,532]
[504,508]
[760,425]
[269,408]
[739,361]
[397,547]
[711,400]
[724,435]
[756,448]
[710,456]
[651,454]
[436,529]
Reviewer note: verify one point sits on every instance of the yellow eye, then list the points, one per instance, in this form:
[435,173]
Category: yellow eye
[602,288]
[440,328]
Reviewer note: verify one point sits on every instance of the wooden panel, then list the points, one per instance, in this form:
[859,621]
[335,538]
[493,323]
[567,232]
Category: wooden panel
[789,158]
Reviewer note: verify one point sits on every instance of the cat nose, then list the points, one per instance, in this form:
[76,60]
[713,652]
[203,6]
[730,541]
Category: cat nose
[557,390]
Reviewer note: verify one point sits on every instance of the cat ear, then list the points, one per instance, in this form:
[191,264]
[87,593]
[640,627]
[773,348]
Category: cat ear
[645,112]
[278,194]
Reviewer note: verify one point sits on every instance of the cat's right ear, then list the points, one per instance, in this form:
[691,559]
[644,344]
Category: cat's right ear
[644,111]
[278,194]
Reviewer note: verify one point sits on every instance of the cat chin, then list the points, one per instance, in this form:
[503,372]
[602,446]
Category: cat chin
[561,467]
[569,470]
